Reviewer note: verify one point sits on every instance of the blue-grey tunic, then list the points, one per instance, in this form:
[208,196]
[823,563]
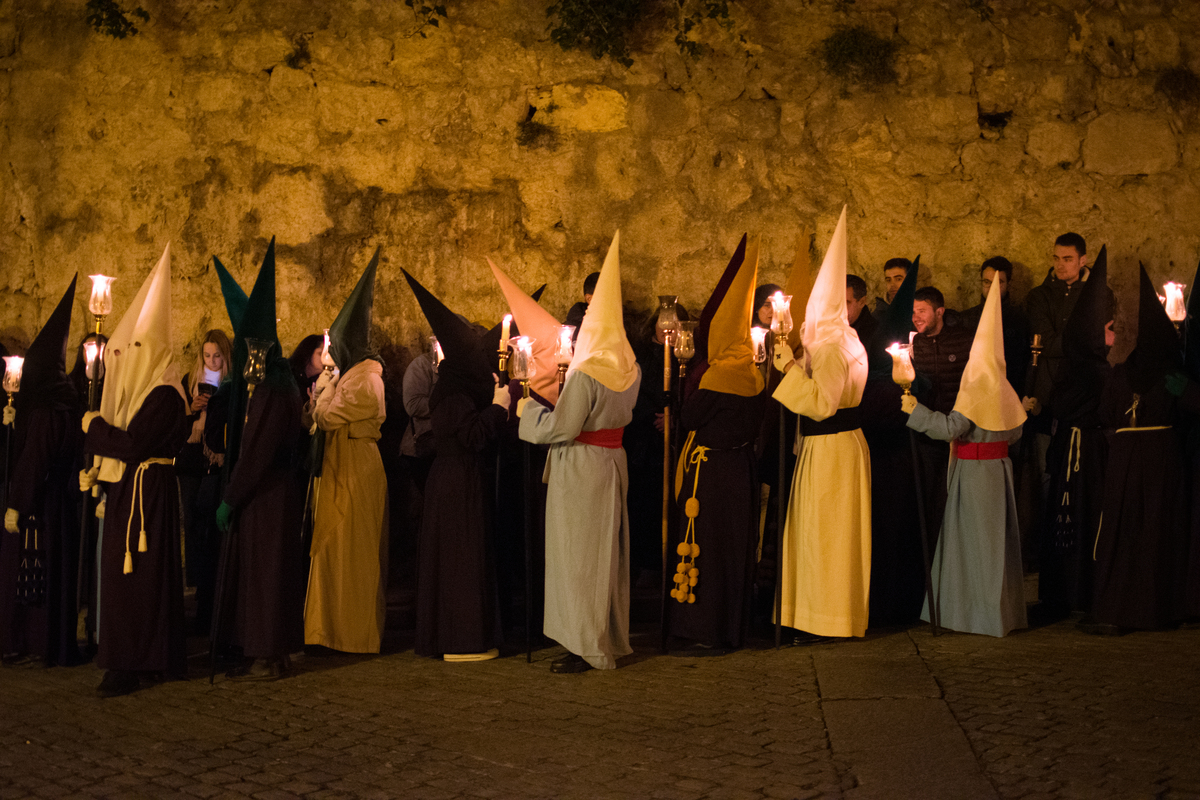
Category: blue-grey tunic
[587,522]
[977,573]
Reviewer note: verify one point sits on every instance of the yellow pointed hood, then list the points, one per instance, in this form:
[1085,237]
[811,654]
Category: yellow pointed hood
[731,366]
[538,323]
[602,349]
[139,357]
[984,395]
[825,319]
[799,287]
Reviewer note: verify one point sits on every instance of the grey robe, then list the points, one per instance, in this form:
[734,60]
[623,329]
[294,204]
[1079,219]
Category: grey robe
[977,572]
[587,521]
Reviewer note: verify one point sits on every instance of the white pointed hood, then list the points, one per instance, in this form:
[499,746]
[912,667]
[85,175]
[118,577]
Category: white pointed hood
[825,319]
[602,349]
[984,394]
[139,357]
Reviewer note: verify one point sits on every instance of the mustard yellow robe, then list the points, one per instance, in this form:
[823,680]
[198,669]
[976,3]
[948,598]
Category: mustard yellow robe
[347,580]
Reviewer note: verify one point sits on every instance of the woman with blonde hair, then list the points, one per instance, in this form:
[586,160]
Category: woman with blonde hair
[199,472]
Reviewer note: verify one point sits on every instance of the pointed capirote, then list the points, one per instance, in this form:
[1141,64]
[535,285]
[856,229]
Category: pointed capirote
[139,357]
[602,350]
[825,319]
[984,394]
[704,322]
[536,322]
[44,378]
[731,367]
[350,333]
[1083,334]
[799,286]
[465,364]
[1158,350]
[235,297]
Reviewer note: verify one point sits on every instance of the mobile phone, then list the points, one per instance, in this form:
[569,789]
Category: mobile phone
[206,389]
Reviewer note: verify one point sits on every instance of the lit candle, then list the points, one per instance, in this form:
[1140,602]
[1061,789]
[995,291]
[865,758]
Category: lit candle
[91,351]
[563,350]
[505,327]
[758,336]
[326,358]
[12,375]
[524,367]
[101,301]
[902,368]
[1176,309]
[781,314]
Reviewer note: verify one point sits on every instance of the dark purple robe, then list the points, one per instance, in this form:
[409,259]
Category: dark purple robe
[141,613]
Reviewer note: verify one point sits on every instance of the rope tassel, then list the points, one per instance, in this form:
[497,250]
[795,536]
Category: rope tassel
[687,574]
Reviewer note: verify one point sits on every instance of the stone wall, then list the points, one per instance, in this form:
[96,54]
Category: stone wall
[336,127]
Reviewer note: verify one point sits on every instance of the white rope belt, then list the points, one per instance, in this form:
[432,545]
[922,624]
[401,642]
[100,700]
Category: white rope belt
[138,501]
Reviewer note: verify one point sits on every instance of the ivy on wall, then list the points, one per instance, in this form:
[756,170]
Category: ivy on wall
[106,17]
[605,27]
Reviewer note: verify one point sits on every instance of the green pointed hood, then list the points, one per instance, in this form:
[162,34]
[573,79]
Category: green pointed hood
[235,298]
[350,333]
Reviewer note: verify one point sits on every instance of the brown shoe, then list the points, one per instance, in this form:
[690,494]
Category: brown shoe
[570,664]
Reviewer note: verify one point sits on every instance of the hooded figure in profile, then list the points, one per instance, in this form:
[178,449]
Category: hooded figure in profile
[978,580]
[587,521]
[39,548]
[1141,543]
[717,477]
[827,540]
[346,582]
[140,427]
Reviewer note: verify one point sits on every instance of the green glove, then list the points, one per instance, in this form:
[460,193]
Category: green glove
[224,517]
[1176,383]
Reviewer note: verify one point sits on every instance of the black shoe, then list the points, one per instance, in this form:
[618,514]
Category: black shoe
[1090,625]
[699,650]
[118,682]
[803,639]
[570,664]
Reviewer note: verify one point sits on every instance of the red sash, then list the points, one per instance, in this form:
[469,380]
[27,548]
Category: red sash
[980,451]
[607,437]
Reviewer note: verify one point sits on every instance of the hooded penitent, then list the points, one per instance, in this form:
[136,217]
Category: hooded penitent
[799,287]
[1157,351]
[984,394]
[825,319]
[1083,335]
[704,323]
[537,323]
[235,298]
[350,333]
[139,357]
[466,368]
[602,349]
[44,380]
[731,367]
[895,326]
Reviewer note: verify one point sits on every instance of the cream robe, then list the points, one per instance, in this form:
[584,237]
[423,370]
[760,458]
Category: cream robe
[827,539]
[346,583]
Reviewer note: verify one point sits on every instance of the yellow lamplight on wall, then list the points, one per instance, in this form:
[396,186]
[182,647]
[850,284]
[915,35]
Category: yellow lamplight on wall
[101,302]
[781,316]
[903,373]
[1176,308]
[564,351]
[524,367]
[758,337]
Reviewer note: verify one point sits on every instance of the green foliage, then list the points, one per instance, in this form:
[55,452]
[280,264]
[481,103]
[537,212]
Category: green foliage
[599,27]
[1180,85]
[105,16]
[427,15]
[857,54]
[692,14]
[536,135]
[983,8]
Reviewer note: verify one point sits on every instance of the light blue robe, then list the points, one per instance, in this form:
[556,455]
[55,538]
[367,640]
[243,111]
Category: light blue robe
[587,521]
[978,580]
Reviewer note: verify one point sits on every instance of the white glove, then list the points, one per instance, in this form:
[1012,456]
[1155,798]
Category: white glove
[11,521]
[908,403]
[783,356]
[10,413]
[524,401]
[326,380]
[88,478]
[500,397]
[88,416]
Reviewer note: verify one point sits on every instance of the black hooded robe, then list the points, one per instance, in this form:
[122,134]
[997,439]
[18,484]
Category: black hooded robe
[141,613]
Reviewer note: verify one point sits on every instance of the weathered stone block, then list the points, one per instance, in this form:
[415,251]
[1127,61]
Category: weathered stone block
[746,119]
[1126,143]
[593,108]
[660,114]
[1054,143]
[948,120]
[1156,46]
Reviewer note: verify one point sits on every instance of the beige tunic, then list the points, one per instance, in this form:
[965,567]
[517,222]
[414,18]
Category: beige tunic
[346,583]
[827,538]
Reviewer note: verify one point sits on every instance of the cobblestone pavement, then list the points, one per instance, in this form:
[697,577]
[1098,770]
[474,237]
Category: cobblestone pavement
[1045,713]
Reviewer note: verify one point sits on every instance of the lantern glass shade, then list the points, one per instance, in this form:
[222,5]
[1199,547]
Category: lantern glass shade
[685,340]
[523,366]
[100,303]
[668,319]
[758,338]
[564,349]
[326,358]
[1176,308]
[902,368]
[435,351]
[12,373]
[256,360]
[781,313]
[93,353]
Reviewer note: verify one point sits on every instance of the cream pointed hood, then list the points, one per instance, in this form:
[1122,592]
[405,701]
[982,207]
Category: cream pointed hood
[825,316]
[602,349]
[984,395]
[139,357]
[538,323]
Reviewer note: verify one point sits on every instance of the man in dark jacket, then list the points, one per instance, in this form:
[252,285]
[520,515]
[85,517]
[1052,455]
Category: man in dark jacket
[861,320]
[997,271]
